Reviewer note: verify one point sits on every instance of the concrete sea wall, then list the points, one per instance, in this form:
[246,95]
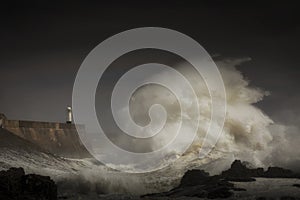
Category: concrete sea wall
[57,138]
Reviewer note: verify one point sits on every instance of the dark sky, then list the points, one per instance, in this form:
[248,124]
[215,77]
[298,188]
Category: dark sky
[42,44]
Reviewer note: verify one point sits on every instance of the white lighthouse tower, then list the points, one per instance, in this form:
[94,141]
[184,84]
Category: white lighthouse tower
[69,115]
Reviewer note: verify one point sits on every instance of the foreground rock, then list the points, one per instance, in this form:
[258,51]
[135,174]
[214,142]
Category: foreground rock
[198,183]
[15,185]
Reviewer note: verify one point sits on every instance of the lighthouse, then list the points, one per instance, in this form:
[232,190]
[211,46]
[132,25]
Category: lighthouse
[69,115]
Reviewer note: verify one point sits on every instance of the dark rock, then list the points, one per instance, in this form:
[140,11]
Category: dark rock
[288,198]
[297,185]
[219,192]
[11,181]
[240,179]
[198,183]
[240,173]
[239,189]
[277,172]
[63,197]
[261,198]
[15,185]
[194,177]
[41,186]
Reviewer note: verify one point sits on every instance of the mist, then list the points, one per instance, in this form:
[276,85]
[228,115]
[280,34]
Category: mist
[248,134]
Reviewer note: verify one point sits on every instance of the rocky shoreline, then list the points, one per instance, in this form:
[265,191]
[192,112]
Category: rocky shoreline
[198,183]
[16,185]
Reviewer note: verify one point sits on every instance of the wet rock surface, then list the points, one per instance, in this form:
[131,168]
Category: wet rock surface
[198,183]
[15,185]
